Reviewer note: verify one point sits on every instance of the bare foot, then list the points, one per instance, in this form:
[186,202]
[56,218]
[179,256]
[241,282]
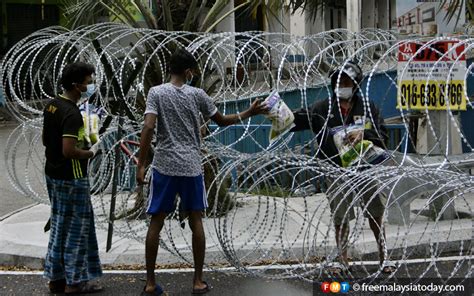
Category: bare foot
[150,289]
[198,285]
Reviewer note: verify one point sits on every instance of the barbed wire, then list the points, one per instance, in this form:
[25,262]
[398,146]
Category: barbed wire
[264,207]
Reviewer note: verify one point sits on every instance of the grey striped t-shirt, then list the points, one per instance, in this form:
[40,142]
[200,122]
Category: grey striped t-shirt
[178,111]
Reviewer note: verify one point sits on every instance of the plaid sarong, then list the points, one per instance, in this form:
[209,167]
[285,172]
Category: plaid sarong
[72,250]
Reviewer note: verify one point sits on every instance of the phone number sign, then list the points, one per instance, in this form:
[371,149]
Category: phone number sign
[431,77]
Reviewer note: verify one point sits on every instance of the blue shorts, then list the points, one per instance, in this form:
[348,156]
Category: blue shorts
[163,191]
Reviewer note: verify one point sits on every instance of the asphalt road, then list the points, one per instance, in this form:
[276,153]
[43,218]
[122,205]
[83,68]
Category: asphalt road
[231,283]
[174,284]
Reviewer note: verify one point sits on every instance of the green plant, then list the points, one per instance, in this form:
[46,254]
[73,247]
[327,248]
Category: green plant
[177,15]
[453,7]
[312,7]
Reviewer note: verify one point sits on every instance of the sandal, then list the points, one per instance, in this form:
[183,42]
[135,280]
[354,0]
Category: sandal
[157,292]
[57,286]
[84,288]
[389,267]
[203,290]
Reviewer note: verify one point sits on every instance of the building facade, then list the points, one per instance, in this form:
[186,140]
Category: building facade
[19,18]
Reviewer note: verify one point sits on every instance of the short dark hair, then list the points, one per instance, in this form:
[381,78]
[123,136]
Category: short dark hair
[75,73]
[181,60]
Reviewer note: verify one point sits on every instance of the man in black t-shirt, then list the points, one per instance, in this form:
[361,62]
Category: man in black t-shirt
[343,109]
[63,121]
[73,257]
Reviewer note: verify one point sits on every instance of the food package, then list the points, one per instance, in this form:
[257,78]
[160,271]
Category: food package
[91,117]
[364,151]
[280,115]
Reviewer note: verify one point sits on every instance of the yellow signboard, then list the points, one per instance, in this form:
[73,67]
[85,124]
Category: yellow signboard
[431,76]
[434,95]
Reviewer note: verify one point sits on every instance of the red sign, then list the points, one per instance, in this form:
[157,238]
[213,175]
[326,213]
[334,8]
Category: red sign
[443,50]
[326,287]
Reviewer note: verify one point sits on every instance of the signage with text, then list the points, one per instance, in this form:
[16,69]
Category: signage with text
[431,76]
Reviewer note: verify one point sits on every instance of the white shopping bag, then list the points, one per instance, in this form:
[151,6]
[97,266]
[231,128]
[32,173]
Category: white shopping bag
[280,115]
[91,117]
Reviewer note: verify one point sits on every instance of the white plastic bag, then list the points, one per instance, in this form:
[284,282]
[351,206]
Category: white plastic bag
[280,115]
[364,151]
[91,117]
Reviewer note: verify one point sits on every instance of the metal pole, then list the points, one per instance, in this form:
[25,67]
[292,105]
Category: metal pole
[110,230]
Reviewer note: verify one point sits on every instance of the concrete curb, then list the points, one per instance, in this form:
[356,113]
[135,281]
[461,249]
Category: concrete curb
[18,211]
[259,267]
[36,261]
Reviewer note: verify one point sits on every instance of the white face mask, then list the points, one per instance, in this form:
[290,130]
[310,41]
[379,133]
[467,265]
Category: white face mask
[344,93]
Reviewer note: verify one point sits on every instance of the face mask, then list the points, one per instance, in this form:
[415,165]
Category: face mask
[344,93]
[89,92]
[86,94]
[193,81]
[189,81]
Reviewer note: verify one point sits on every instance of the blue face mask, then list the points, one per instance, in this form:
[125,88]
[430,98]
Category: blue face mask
[190,81]
[193,81]
[85,95]
[89,92]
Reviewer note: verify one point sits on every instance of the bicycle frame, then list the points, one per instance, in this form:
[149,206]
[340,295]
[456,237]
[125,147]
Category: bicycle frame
[126,150]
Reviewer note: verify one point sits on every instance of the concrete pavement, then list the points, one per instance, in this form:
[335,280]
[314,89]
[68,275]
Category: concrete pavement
[24,241]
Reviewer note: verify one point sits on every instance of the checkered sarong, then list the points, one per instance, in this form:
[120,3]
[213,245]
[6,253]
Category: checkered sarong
[72,250]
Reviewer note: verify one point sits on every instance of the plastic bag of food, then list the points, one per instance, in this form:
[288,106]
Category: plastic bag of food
[280,115]
[352,153]
[91,117]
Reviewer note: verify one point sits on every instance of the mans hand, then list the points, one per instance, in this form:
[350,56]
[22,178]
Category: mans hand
[141,175]
[258,108]
[355,137]
[95,149]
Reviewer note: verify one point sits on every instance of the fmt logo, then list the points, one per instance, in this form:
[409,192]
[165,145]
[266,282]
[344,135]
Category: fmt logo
[335,287]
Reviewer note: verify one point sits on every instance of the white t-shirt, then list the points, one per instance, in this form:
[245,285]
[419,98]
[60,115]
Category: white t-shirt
[179,111]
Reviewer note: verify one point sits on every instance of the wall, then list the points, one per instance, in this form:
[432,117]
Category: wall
[383,15]
[369,18]
[228,24]
[382,91]
[30,24]
[298,23]
[393,13]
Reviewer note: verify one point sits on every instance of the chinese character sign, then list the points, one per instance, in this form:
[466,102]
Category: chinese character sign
[427,18]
